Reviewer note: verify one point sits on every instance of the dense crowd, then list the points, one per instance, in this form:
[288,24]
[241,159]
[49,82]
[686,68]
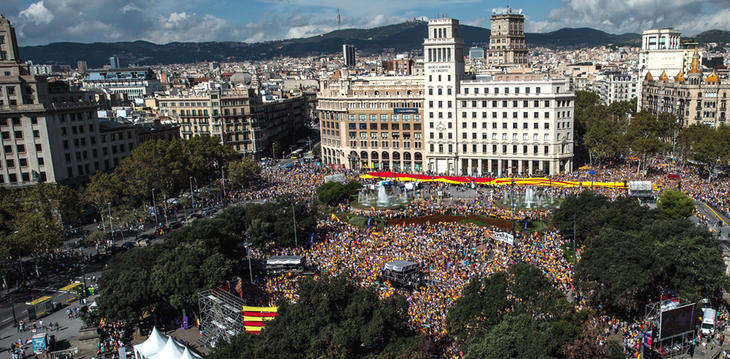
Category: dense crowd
[451,253]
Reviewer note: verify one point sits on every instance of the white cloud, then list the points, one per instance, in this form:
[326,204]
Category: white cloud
[37,13]
[620,16]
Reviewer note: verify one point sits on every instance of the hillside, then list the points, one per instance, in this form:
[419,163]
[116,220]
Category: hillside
[719,36]
[401,37]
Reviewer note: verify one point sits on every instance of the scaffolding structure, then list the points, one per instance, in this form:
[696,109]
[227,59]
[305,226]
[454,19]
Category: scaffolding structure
[221,316]
[676,343]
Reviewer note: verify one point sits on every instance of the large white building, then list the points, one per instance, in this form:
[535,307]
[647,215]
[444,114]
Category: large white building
[506,124]
[662,52]
[617,86]
[472,124]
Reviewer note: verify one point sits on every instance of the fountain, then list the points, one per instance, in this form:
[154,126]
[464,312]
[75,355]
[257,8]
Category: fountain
[532,198]
[383,195]
[529,200]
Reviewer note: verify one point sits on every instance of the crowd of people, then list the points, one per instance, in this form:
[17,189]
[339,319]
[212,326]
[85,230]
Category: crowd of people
[112,336]
[451,253]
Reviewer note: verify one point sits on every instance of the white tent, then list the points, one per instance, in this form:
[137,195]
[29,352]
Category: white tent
[187,354]
[172,350]
[153,345]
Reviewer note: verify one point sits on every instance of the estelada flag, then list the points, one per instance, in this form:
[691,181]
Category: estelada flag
[255,318]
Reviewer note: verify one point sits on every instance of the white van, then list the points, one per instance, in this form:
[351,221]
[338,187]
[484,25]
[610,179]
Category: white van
[708,321]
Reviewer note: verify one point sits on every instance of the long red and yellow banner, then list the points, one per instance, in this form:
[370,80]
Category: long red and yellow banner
[533,181]
[255,318]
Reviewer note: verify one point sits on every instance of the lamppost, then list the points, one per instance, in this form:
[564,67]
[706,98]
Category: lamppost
[111,224]
[154,207]
[294,219]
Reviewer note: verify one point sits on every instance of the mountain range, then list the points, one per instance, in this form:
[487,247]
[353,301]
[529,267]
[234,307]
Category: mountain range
[399,37]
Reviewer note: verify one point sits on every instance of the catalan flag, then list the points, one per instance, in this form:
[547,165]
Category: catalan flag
[255,318]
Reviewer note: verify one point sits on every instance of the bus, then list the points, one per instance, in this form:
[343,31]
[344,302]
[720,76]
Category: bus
[72,291]
[39,307]
[278,265]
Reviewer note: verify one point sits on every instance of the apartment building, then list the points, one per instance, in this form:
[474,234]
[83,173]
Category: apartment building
[127,84]
[617,86]
[372,122]
[238,117]
[694,98]
[507,39]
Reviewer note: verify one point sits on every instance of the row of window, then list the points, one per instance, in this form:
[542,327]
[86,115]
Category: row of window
[22,162]
[495,90]
[383,126]
[495,149]
[20,148]
[515,115]
[25,176]
[474,135]
[384,135]
[394,118]
[385,144]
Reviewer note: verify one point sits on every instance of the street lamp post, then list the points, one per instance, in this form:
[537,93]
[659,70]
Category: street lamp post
[111,224]
[294,218]
[154,207]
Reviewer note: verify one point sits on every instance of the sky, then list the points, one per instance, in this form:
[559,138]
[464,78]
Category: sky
[39,22]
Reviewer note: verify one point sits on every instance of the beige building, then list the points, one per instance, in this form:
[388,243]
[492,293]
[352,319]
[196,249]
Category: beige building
[49,131]
[448,121]
[507,40]
[238,117]
[693,97]
[372,122]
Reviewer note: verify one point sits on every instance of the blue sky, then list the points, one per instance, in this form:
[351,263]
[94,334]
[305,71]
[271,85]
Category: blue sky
[162,21]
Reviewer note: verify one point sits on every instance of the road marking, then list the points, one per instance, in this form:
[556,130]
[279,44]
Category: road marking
[715,213]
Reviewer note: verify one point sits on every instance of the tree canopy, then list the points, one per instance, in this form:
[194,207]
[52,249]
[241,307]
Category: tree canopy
[674,204]
[495,315]
[333,318]
[332,193]
[631,252]
[163,165]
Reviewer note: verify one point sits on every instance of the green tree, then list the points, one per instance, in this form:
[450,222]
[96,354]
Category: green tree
[516,336]
[243,171]
[648,134]
[331,193]
[674,204]
[706,145]
[523,290]
[126,288]
[333,318]
[103,188]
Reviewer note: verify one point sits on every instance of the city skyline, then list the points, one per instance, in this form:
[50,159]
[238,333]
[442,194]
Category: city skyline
[46,21]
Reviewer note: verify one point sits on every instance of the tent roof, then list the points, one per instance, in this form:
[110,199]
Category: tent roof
[172,350]
[187,354]
[153,345]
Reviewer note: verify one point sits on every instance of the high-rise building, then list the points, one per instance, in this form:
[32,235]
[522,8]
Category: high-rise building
[81,66]
[50,131]
[448,122]
[444,69]
[348,55]
[114,62]
[507,39]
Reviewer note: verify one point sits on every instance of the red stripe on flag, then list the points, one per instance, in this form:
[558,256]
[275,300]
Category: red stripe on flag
[254,324]
[259,314]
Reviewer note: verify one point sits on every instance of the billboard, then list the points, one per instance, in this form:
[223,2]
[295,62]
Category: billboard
[677,321]
[405,110]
